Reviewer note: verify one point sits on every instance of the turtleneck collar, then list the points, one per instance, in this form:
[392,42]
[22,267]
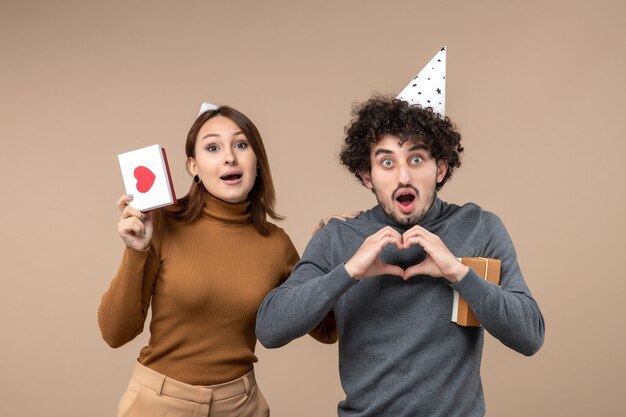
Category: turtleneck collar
[223,212]
[432,215]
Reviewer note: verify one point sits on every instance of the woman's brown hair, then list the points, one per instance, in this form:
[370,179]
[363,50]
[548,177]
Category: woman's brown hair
[262,196]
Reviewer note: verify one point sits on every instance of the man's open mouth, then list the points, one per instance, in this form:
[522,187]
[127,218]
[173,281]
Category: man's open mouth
[405,198]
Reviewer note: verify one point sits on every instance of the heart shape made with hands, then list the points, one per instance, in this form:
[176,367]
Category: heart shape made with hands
[425,265]
[418,264]
[145,178]
[439,261]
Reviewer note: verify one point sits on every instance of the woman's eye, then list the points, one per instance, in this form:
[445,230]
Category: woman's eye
[211,148]
[416,160]
[387,163]
[241,145]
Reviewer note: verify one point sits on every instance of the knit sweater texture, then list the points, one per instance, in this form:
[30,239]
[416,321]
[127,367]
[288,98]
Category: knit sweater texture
[399,352]
[204,281]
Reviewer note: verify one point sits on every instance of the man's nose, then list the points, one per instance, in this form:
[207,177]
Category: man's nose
[404,176]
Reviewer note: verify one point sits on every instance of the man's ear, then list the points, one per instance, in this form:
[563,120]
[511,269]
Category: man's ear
[366,177]
[442,170]
[191,166]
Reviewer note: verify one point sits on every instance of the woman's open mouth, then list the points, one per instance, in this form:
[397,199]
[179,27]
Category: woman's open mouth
[231,178]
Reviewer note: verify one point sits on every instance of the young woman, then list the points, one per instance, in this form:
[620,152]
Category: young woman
[205,265]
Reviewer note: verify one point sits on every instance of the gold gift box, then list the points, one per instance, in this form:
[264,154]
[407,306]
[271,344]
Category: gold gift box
[487,268]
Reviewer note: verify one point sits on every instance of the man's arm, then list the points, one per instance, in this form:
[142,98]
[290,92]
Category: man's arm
[303,301]
[508,312]
[317,282]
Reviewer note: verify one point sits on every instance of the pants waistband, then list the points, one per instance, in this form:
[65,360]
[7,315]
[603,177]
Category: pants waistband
[164,385]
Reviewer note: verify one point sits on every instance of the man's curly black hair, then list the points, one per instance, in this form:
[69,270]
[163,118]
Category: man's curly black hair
[385,115]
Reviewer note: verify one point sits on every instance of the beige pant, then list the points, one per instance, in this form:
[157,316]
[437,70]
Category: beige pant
[151,394]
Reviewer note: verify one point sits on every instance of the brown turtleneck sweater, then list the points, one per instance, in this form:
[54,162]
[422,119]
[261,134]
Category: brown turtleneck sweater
[206,281]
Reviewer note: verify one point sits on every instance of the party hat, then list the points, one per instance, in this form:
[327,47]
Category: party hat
[428,88]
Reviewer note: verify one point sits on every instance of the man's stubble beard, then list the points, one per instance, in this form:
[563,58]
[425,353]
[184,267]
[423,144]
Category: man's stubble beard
[411,220]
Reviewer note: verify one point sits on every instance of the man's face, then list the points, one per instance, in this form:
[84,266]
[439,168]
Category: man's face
[403,177]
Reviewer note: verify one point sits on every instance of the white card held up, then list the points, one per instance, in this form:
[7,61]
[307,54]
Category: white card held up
[147,177]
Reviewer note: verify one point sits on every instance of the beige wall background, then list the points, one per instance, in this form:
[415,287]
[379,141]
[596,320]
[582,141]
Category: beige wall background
[536,88]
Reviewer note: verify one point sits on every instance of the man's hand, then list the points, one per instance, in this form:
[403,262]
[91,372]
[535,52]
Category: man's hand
[366,261]
[323,222]
[439,261]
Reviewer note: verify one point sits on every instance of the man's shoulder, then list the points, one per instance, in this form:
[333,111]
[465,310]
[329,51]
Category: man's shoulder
[468,208]
[358,224]
[470,213]
[337,232]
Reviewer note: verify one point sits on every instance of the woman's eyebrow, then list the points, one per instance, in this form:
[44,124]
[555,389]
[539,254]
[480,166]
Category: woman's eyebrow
[217,135]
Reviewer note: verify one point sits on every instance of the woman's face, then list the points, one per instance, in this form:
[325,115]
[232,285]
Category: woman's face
[224,160]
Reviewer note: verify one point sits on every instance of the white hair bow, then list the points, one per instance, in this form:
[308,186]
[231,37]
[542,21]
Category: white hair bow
[206,106]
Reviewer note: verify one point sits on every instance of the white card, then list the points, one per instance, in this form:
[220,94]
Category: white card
[147,177]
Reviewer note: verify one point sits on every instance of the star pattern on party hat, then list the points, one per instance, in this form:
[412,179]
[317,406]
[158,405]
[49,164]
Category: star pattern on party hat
[428,88]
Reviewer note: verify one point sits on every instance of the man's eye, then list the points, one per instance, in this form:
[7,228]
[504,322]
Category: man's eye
[416,160]
[387,163]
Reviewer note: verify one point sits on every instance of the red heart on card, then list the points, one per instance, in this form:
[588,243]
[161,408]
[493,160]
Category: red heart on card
[145,178]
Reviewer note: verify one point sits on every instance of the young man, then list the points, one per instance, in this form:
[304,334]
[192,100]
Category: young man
[387,276]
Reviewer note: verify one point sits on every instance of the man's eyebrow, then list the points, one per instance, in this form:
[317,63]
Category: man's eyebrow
[418,146]
[383,150]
